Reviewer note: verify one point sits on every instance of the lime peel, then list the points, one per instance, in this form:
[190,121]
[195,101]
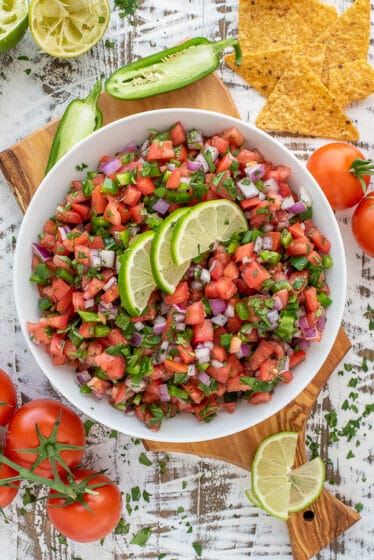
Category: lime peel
[13,23]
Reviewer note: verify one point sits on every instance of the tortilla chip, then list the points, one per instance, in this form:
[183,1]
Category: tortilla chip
[262,70]
[316,15]
[301,104]
[268,24]
[348,38]
[351,81]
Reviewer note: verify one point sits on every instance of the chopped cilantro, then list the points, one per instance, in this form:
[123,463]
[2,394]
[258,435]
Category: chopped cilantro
[135,493]
[331,419]
[198,548]
[350,454]
[141,537]
[143,460]
[122,527]
[359,507]
[88,425]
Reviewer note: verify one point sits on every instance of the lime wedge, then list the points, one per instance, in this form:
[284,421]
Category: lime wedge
[306,484]
[203,225]
[271,470]
[13,23]
[68,28]
[165,272]
[135,278]
[252,498]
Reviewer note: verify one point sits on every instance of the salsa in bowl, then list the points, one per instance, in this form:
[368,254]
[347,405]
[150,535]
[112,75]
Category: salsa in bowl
[225,323]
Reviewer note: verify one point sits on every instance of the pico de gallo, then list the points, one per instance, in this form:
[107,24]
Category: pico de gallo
[240,320]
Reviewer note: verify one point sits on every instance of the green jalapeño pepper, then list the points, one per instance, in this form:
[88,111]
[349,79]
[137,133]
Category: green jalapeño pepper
[81,118]
[169,69]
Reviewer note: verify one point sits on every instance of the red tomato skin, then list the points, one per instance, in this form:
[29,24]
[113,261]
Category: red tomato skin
[76,522]
[330,166]
[21,434]
[363,224]
[8,398]
[7,494]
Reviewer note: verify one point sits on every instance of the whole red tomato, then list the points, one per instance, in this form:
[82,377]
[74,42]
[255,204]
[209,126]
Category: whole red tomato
[331,166]
[363,224]
[7,493]
[8,398]
[44,413]
[79,523]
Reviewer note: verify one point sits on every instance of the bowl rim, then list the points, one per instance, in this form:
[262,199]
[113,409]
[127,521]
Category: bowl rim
[194,436]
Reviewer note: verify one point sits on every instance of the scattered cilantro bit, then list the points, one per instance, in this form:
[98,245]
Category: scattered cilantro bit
[345,405]
[62,539]
[23,57]
[359,507]
[350,454]
[136,441]
[180,509]
[113,434]
[184,484]
[364,365]
[348,367]
[109,44]
[161,556]
[369,314]
[369,408]
[146,495]
[27,71]
[141,537]
[28,497]
[331,419]
[81,166]
[353,382]
[313,446]
[88,425]
[143,460]
[135,493]
[122,527]
[198,548]
[126,7]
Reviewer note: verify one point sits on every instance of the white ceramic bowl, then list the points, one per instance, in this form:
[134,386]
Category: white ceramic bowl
[108,140]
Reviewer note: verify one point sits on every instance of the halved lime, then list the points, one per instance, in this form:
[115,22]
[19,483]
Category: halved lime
[13,22]
[203,225]
[135,278]
[165,272]
[68,28]
[271,468]
[306,484]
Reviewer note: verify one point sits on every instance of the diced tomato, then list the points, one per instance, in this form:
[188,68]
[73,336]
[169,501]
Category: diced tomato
[220,374]
[82,254]
[315,258]
[282,297]
[59,289]
[299,247]
[50,227]
[280,173]
[57,344]
[316,236]
[195,313]
[82,210]
[296,230]
[131,195]
[254,274]
[195,394]
[216,270]
[96,242]
[263,352]
[243,252]
[234,324]
[64,303]
[68,216]
[210,291]
[275,240]
[259,398]
[174,179]
[125,214]
[93,288]
[145,184]
[160,150]
[231,271]
[299,280]
[111,293]
[226,288]
[203,332]
[246,156]
[234,137]
[177,134]
[220,143]
[120,393]
[111,213]
[138,213]
[219,353]
[224,163]
[311,301]
[175,367]
[286,376]
[78,301]
[116,336]
[186,353]
[268,370]
[113,366]
[296,358]
[180,295]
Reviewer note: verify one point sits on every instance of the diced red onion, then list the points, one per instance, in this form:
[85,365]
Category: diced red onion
[287,202]
[201,159]
[62,232]
[41,252]
[110,166]
[89,303]
[180,327]
[255,172]
[321,322]
[257,247]
[164,393]
[217,306]
[261,195]
[109,284]
[107,258]
[278,305]
[267,242]
[212,265]
[196,285]
[208,344]
[272,316]
[139,325]
[129,411]
[193,165]
[144,147]
[243,351]
[195,139]
[304,197]
[213,150]
[217,363]
[130,147]
[204,377]
[297,208]
[220,319]
[105,306]
[191,370]
[161,206]
[249,191]
[205,276]
[303,323]
[159,324]
[136,388]
[186,180]
[268,227]
[136,339]
[164,347]
[179,308]
[286,364]
[82,377]
[170,166]
[110,312]
[179,317]
[303,344]
[270,185]
[202,355]
[229,311]
[310,332]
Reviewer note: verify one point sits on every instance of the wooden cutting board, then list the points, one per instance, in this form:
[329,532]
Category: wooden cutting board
[327,517]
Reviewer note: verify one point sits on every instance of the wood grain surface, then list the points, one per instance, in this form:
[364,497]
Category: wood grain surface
[186,501]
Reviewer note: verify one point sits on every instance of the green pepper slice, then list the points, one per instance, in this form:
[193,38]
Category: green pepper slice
[81,118]
[169,69]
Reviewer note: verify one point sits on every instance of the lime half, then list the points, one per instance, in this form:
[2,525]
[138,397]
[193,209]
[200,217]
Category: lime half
[68,28]
[135,278]
[203,225]
[306,484]
[166,273]
[13,22]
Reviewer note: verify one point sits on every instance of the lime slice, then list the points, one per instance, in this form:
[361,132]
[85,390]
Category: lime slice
[306,484]
[252,498]
[165,272]
[203,225]
[13,22]
[68,28]
[135,278]
[271,470]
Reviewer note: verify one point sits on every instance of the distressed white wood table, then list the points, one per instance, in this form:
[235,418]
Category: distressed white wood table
[187,500]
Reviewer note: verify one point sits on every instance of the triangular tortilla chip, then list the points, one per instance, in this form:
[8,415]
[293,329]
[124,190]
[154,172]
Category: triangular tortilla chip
[316,15]
[268,24]
[348,38]
[351,81]
[301,104]
[262,70]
